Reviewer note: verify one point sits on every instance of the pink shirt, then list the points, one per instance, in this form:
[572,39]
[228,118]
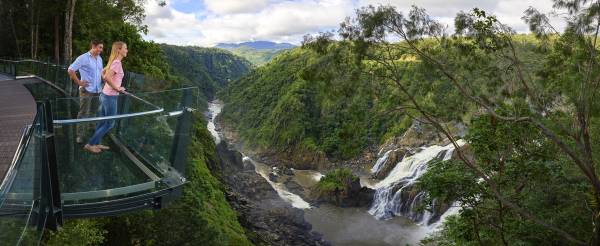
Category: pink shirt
[117,79]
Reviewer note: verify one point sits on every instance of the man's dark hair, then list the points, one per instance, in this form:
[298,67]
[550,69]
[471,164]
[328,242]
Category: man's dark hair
[96,42]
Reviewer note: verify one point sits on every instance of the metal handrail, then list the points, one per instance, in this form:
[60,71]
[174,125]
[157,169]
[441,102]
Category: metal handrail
[112,117]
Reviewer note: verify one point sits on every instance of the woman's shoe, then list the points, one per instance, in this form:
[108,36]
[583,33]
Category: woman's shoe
[102,147]
[92,149]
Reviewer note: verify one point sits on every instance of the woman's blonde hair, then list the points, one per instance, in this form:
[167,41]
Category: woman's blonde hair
[116,48]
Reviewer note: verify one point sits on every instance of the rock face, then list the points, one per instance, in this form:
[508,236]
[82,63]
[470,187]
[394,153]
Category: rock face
[300,160]
[352,195]
[274,221]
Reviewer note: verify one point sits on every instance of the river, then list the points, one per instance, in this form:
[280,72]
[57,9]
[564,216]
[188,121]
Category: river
[340,226]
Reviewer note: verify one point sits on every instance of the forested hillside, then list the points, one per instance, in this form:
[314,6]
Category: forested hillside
[322,101]
[210,69]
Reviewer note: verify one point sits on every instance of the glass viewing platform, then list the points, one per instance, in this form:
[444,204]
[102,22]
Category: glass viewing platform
[52,178]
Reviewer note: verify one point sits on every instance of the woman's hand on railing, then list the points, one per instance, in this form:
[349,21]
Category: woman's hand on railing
[121,89]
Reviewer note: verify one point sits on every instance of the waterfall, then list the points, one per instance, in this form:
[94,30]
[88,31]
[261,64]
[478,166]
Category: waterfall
[214,108]
[396,194]
[379,164]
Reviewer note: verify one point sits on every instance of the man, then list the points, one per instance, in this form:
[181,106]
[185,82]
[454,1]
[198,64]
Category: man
[89,66]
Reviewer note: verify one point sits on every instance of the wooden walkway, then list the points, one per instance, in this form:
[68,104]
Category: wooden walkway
[17,110]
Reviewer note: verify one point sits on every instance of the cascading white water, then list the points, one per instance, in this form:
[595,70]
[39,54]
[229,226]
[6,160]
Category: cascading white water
[379,164]
[391,196]
[214,109]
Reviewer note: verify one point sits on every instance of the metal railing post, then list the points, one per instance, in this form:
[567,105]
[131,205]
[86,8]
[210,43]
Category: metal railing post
[50,192]
[182,134]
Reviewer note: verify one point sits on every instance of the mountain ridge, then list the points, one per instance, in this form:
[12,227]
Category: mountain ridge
[258,45]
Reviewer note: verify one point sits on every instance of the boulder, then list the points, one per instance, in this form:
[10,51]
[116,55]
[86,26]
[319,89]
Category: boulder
[273,176]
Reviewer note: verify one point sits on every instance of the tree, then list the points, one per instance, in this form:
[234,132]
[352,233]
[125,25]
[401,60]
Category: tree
[483,63]
[68,39]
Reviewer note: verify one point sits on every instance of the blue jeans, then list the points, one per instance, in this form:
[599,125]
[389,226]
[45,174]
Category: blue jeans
[108,107]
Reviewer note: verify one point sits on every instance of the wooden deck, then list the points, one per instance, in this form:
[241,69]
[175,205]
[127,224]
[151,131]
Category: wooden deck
[17,110]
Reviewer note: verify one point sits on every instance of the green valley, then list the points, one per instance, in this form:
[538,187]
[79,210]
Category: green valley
[388,125]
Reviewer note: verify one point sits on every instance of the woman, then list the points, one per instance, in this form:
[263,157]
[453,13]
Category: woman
[113,76]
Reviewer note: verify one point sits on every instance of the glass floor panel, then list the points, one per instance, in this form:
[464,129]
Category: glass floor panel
[82,171]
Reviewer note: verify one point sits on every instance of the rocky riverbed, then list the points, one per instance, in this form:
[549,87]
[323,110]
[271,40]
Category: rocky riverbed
[261,210]
[268,219]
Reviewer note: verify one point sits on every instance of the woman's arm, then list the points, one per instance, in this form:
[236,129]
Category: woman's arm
[108,76]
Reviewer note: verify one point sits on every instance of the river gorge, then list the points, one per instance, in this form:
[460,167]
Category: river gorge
[390,219]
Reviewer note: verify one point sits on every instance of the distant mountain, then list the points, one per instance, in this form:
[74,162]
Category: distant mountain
[258,45]
[257,52]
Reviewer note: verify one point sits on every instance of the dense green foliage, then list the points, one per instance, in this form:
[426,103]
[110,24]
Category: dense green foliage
[530,172]
[337,186]
[337,179]
[81,232]
[104,20]
[210,69]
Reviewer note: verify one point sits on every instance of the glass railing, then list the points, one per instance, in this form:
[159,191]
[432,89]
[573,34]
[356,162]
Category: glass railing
[144,167]
[8,67]
[141,146]
[22,216]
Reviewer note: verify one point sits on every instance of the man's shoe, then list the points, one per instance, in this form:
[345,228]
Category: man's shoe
[92,149]
[79,140]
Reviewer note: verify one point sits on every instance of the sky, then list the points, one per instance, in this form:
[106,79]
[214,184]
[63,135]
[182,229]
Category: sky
[208,22]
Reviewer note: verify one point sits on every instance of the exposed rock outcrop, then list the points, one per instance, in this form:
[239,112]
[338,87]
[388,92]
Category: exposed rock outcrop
[350,195]
[261,211]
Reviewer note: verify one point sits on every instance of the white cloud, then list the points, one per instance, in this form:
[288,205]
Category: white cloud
[508,12]
[167,25]
[438,8]
[282,21]
[234,6]
[287,21]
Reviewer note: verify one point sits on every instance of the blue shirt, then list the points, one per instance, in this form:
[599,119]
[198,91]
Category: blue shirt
[90,70]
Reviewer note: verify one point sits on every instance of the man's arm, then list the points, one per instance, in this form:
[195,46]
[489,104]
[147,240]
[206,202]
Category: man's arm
[77,81]
[74,67]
